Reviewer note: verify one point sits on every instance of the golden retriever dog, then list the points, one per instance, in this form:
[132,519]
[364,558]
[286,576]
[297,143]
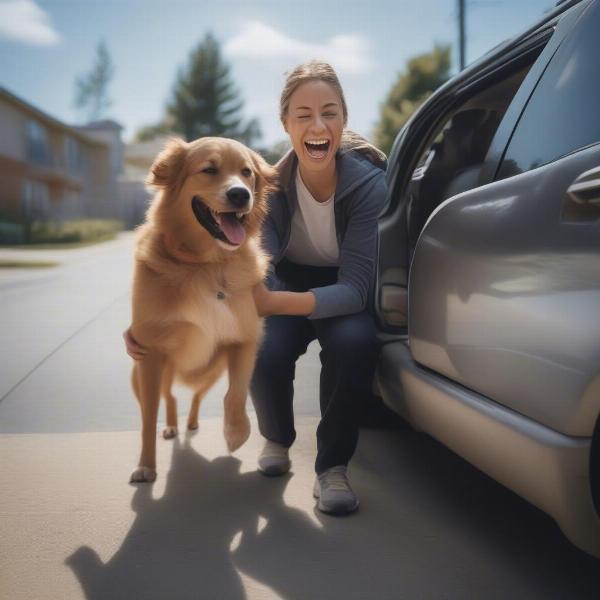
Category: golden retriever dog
[197,257]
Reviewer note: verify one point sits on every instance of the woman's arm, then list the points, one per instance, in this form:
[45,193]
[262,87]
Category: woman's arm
[282,303]
[357,256]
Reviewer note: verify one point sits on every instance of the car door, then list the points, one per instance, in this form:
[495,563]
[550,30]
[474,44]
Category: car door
[504,285]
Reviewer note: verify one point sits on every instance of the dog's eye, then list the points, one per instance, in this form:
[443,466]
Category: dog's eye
[210,170]
[246,172]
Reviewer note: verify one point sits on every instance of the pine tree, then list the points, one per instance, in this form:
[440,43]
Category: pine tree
[423,75]
[205,101]
[91,90]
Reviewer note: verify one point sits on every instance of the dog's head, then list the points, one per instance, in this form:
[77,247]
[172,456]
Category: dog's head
[212,187]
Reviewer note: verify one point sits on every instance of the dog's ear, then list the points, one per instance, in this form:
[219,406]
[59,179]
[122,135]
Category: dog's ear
[168,165]
[266,175]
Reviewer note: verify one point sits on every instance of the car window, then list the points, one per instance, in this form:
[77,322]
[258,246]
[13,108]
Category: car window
[563,113]
[452,160]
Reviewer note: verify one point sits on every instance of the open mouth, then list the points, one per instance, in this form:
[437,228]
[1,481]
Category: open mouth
[225,226]
[317,148]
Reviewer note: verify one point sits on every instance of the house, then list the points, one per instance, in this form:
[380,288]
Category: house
[54,171]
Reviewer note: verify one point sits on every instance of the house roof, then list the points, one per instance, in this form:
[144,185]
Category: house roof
[74,131]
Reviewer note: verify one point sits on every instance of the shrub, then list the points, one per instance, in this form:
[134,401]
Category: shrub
[11,233]
[61,232]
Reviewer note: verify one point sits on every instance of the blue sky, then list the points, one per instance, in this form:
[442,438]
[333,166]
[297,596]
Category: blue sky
[45,44]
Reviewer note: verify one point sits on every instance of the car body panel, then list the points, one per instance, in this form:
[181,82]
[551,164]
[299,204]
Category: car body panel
[503,292]
[547,468]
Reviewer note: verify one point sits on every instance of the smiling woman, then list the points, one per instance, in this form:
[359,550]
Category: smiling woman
[321,233]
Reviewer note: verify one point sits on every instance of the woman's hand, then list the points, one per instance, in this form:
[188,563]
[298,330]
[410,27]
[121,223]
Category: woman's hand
[133,348]
[282,303]
[264,300]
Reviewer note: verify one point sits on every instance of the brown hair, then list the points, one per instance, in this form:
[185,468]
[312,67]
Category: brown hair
[316,70]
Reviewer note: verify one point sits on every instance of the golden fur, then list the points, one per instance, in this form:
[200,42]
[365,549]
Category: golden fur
[180,271]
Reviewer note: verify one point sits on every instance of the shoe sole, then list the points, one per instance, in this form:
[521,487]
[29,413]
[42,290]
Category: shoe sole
[335,511]
[274,471]
[338,512]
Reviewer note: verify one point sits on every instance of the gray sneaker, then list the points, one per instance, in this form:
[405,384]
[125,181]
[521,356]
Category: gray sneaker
[333,490]
[274,459]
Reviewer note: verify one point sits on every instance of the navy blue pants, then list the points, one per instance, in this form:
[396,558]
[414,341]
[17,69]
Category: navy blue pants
[349,352]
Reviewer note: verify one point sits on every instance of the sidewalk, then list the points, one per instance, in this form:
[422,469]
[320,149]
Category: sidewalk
[63,256]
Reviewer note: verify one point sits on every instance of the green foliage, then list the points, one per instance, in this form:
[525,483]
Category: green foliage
[150,132]
[423,75]
[275,152]
[26,264]
[91,90]
[77,230]
[204,101]
[61,232]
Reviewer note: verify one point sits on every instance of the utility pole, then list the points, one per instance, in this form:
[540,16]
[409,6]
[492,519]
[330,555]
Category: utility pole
[461,32]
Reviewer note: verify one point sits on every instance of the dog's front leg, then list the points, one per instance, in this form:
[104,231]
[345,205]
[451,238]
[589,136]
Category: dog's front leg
[240,362]
[149,373]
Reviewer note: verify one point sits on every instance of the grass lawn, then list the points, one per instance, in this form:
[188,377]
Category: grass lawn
[26,264]
[59,245]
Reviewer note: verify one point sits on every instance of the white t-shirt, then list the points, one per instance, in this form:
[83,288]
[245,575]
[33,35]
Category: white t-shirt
[312,238]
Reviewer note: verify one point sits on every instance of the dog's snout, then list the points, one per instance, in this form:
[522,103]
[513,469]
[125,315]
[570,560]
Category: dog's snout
[238,196]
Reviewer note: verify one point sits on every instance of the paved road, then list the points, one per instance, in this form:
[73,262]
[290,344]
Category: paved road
[430,525]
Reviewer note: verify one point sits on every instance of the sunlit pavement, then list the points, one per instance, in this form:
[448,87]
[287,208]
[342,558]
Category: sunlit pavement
[71,526]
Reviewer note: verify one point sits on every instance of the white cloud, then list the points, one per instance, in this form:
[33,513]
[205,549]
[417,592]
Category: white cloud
[347,53]
[24,21]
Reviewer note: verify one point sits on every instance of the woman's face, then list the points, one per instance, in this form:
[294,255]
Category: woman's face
[314,123]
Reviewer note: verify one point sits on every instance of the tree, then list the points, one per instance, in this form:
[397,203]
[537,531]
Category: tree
[423,75]
[273,153]
[91,90]
[205,101]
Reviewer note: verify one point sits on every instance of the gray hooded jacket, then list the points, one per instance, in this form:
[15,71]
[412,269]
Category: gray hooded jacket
[359,197]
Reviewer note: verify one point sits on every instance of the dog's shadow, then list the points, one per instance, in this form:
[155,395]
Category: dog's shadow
[180,545]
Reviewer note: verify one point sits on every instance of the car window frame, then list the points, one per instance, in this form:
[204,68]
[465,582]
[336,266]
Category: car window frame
[416,134]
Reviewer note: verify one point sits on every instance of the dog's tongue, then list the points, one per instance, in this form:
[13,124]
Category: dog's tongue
[232,228]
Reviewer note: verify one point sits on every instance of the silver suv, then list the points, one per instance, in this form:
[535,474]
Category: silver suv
[488,283]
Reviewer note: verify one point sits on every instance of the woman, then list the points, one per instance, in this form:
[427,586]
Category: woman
[321,233]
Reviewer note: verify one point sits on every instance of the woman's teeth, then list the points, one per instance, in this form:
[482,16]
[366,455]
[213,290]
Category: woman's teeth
[317,148]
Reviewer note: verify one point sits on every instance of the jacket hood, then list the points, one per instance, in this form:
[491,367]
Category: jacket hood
[354,169]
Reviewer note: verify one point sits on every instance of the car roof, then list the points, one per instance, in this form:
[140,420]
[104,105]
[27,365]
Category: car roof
[497,53]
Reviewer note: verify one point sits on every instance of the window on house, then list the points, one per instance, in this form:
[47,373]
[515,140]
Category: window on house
[36,199]
[38,147]
[73,155]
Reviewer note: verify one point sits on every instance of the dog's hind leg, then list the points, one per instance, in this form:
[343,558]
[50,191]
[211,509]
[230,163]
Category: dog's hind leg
[170,431]
[208,379]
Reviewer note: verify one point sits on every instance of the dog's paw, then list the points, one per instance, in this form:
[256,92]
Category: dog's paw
[169,432]
[192,425]
[237,432]
[143,475]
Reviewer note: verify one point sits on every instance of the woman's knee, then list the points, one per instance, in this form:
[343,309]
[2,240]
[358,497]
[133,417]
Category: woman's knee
[352,336]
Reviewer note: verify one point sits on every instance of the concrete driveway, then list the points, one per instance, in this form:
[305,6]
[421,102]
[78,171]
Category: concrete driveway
[71,526]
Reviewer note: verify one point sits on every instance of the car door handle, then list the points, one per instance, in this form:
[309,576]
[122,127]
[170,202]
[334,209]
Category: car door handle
[583,197]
